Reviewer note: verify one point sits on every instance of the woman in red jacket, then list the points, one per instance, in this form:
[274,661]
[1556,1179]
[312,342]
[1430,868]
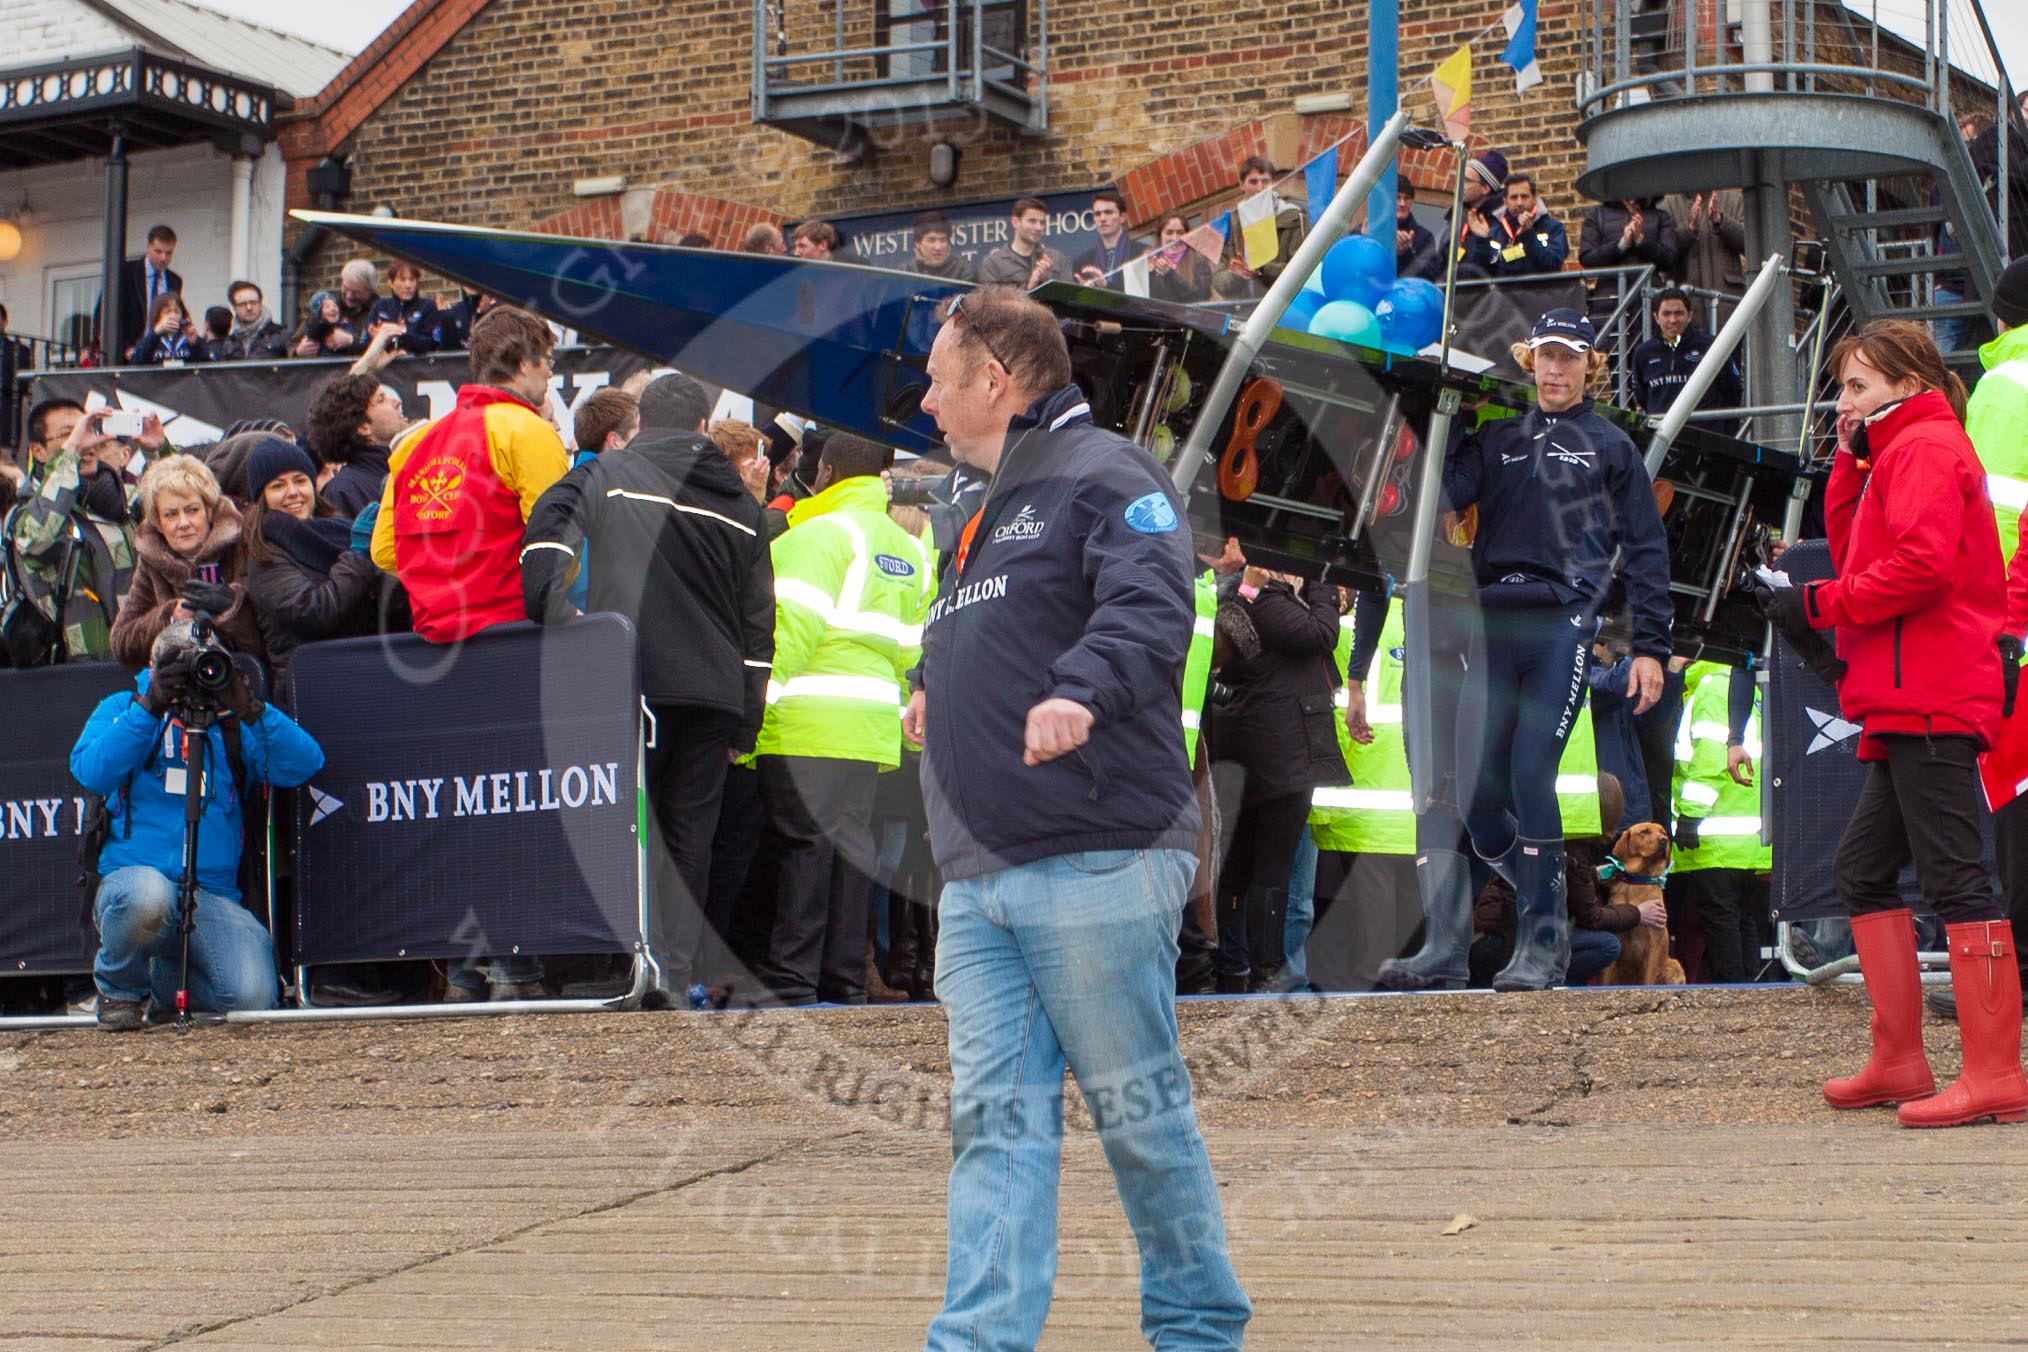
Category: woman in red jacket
[1919,605]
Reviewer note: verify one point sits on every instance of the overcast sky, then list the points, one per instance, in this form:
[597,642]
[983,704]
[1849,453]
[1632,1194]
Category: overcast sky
[350,24]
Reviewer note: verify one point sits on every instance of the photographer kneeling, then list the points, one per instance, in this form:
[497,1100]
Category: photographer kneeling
[132,753]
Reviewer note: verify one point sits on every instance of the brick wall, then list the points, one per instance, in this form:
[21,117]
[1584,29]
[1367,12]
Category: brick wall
[527,96]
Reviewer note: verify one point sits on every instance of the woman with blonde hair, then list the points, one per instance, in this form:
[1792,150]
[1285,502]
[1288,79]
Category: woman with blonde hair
[190,559]
[1919,605]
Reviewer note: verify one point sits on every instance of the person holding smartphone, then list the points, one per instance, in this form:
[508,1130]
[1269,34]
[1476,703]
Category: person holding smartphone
[171,336]
[1177,272]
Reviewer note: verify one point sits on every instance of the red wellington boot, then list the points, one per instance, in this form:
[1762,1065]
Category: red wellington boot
[1988,987]
[1897,1071]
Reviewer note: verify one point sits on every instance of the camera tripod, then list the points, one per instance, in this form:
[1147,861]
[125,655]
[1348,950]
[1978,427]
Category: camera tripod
[197,723]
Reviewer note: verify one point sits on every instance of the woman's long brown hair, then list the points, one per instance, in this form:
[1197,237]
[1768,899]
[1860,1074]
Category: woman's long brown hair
[1901,350]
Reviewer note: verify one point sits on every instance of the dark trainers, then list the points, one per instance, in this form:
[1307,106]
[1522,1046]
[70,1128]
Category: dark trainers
[518,990]
[454,994]
[1942,1002]
[119,1016]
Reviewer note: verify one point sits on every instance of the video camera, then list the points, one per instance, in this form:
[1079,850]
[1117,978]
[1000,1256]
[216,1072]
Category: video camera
[199,675]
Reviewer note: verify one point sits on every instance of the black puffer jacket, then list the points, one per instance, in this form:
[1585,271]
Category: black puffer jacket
[675,543]
[1282,722]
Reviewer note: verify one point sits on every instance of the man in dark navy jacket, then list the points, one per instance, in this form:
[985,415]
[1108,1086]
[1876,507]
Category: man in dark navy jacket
[1062,815]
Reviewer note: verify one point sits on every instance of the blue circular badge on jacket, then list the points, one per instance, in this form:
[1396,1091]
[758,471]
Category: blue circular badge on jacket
[892,566]
[1151,515]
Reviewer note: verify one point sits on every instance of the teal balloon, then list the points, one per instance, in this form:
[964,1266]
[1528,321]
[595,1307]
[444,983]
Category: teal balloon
[1358,268]
[1315,281]
[1302,309]
[1349,322]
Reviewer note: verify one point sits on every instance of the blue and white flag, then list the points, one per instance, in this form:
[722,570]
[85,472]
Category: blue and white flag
[1520,53]
[1320,181]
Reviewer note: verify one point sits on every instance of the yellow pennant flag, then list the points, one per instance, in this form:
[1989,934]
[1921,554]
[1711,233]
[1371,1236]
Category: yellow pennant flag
[1452,82]
[1257,227]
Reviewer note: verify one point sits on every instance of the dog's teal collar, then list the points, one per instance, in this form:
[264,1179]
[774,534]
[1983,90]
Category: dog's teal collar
[1612,868]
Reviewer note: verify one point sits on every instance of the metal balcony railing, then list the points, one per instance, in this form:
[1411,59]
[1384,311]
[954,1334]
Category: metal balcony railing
[835,71]
[1940,57]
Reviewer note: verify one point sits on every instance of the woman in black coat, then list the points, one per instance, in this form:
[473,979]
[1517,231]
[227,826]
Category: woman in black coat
[306,582]
[1273,742]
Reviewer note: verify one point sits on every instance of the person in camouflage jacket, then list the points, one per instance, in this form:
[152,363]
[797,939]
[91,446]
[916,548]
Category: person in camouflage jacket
[71,500]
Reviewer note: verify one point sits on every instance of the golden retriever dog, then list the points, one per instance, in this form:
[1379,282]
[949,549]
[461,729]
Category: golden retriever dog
[1643,851]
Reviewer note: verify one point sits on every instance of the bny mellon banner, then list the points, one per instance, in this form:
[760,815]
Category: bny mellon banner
[477,799]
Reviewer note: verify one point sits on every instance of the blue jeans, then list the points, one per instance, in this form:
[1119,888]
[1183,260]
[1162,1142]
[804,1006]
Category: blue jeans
[1302,914]
[1953,333]
[1072,960]
[232,956]
[1591,952]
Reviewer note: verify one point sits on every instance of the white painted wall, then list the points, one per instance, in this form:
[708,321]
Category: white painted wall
[51,30]
[189,188]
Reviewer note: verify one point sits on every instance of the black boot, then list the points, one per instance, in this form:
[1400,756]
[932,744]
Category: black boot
[1445,882]
[1541,926]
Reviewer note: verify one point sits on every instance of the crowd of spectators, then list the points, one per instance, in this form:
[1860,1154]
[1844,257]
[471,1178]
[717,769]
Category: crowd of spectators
[782,875]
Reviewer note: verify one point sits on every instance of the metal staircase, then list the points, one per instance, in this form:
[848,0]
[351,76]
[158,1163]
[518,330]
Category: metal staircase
[1811,103]
[1887,258]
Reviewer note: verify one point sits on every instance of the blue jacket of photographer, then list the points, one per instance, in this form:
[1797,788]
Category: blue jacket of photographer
[134,760]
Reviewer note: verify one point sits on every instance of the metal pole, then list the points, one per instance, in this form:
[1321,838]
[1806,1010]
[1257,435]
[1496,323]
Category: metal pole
[1383,99]
[1451,250]
[1246,344]
[1712,362]
[1418,700]
[115,256]
[1756,41]
[1812,375]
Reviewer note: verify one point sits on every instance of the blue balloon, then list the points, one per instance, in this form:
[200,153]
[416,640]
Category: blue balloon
[1315,281]
[1411,314]
[1349,322]
[1305,305]
[1358,268]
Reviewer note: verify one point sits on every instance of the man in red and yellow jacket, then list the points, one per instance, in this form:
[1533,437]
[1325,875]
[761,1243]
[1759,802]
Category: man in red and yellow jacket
[460,488]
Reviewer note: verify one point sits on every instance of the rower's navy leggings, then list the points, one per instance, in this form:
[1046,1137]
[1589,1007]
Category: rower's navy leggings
[1524,690]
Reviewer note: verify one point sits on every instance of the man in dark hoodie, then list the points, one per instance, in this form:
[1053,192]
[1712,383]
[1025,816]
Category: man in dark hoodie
[682,554]
[1063,818]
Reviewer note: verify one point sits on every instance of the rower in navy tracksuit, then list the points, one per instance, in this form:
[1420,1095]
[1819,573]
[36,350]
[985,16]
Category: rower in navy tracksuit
[1662,364]
[1567,520]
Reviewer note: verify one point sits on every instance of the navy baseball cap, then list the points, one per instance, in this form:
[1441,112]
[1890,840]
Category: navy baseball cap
[1568,327]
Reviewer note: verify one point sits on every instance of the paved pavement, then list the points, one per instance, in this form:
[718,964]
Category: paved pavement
[767,1223]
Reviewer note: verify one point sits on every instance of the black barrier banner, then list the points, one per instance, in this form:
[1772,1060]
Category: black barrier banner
[477,799]
[197,403]
[1491,319]
[42,810]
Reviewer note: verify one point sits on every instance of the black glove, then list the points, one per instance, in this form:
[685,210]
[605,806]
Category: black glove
[1788,611]
[1686,832]
[240,701]
[167,686]
[213,598]
[1786,608]
[2010,672]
